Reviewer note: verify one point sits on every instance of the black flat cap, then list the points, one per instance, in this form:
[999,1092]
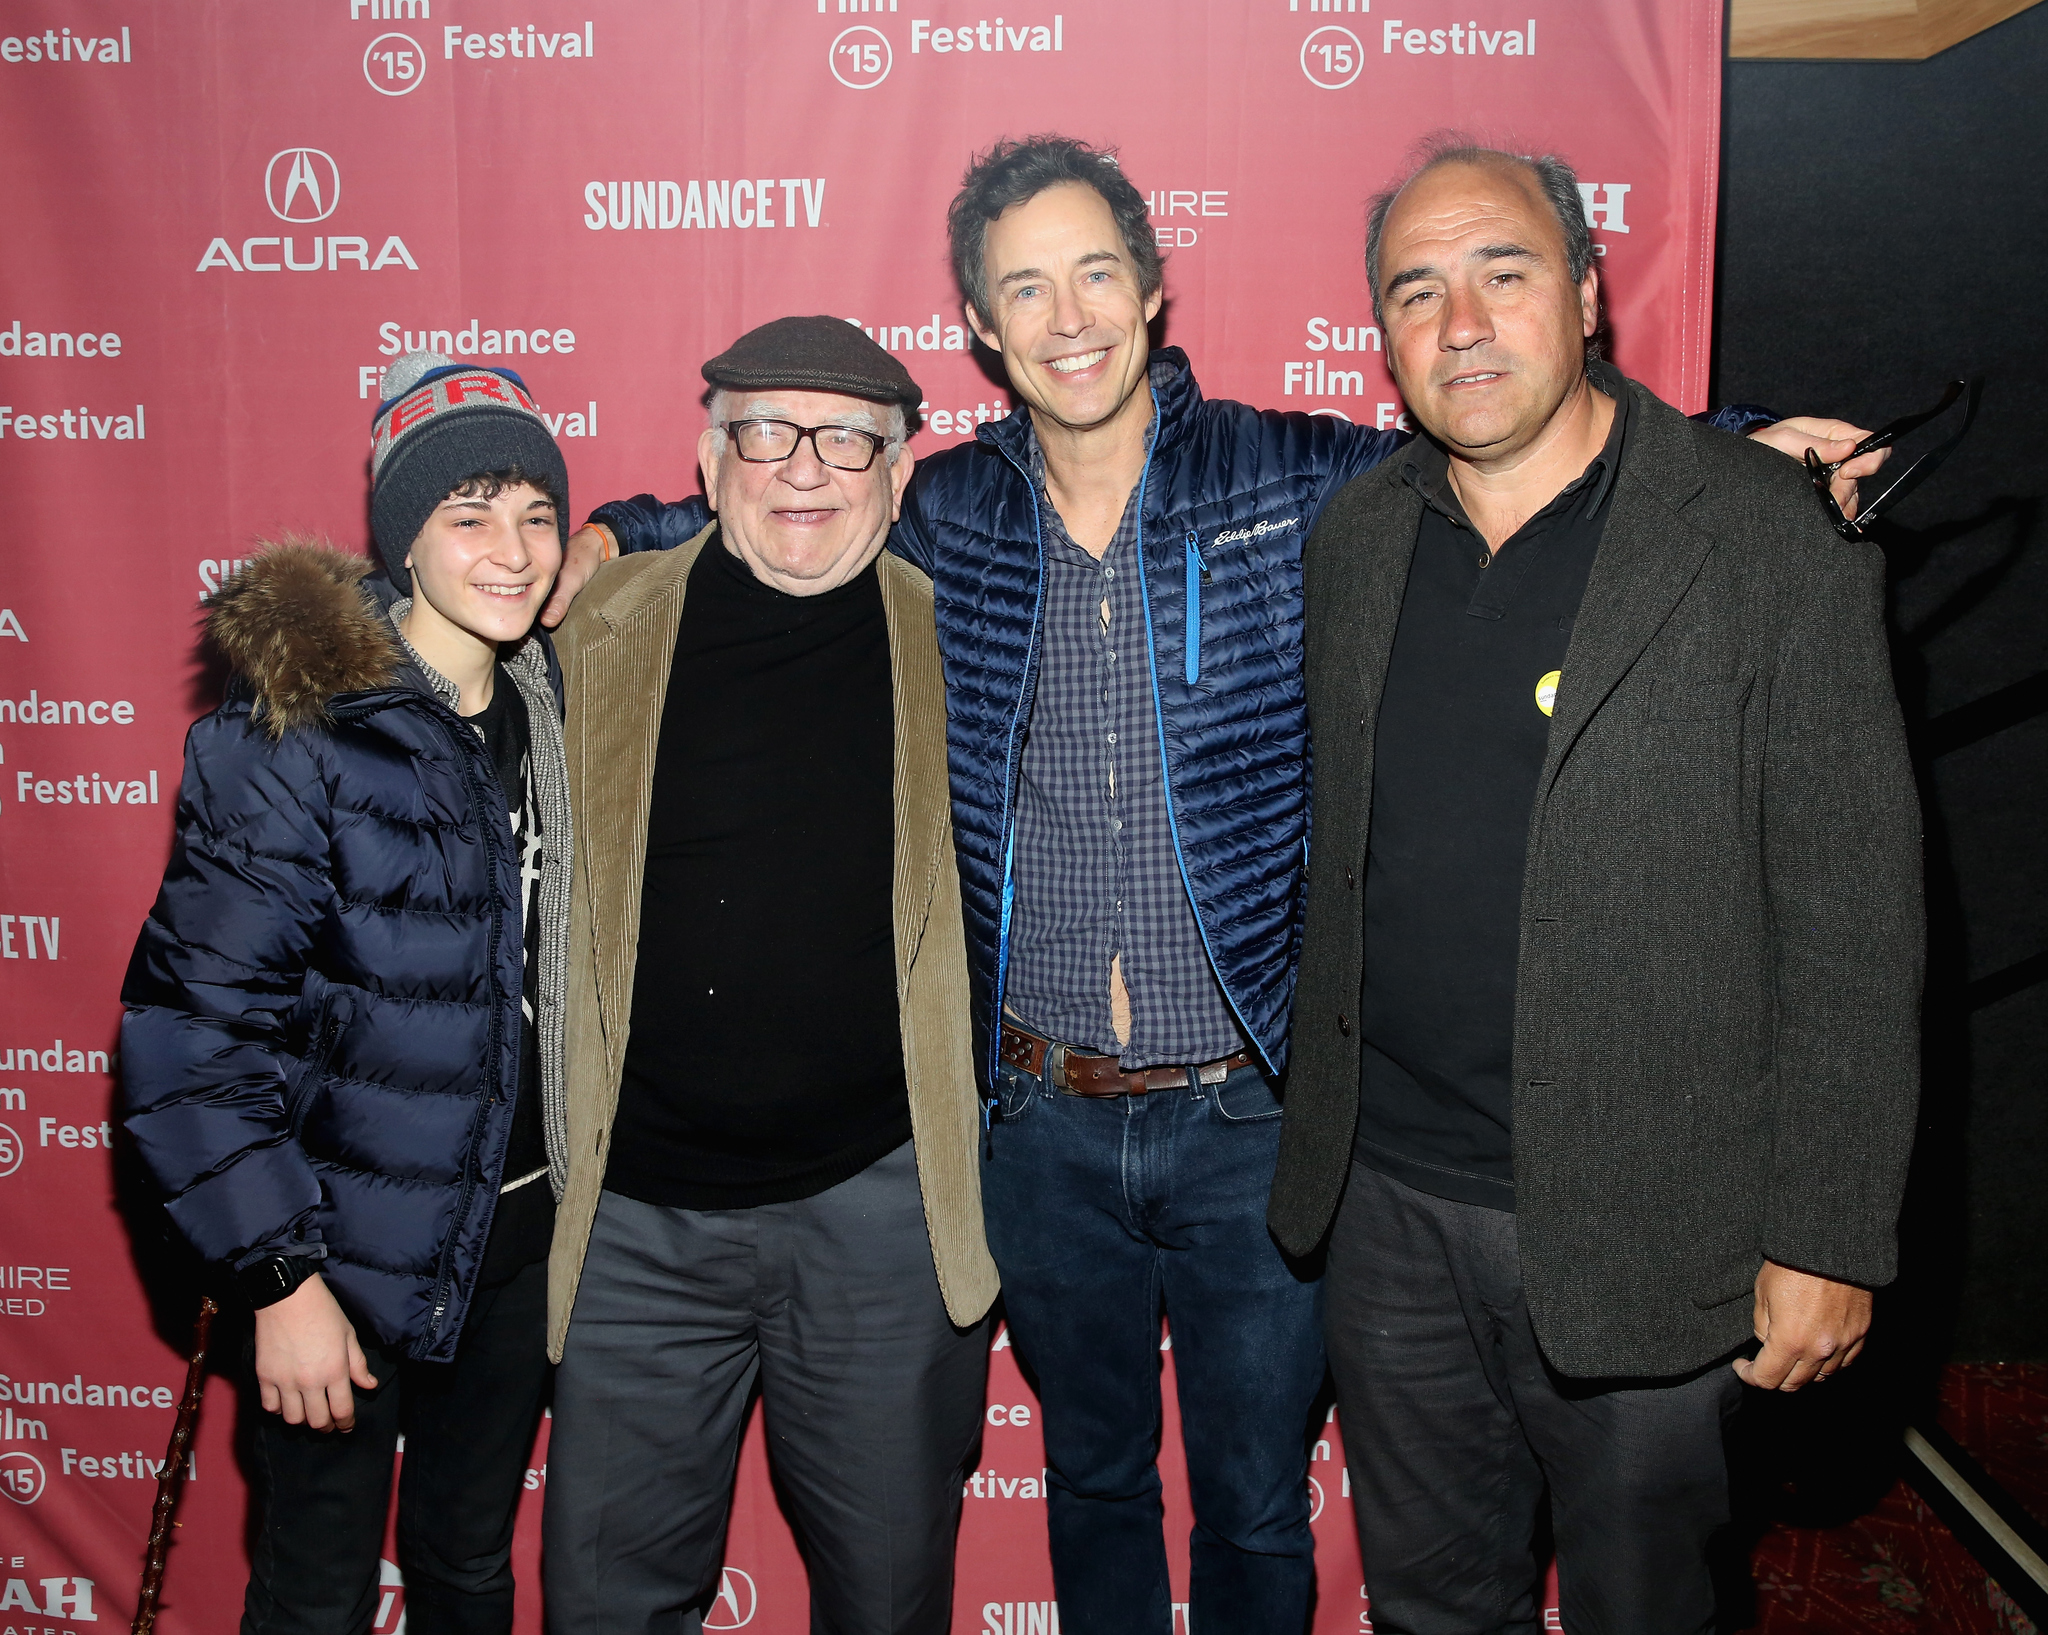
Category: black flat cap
[814,355]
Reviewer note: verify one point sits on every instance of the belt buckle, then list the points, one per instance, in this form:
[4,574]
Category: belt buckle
[1213,1072]
[1056,1066]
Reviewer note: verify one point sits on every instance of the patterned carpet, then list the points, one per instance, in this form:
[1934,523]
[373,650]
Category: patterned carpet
[1895,1567]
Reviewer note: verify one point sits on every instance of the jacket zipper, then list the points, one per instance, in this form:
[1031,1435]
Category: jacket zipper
[1008,894]
[466,750]
[1198,576]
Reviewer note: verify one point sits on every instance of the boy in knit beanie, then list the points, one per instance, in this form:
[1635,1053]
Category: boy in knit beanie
[442,424]
[343,1041]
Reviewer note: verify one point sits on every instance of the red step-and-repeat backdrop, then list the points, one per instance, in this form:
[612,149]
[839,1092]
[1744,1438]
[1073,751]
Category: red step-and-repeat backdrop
[223,218]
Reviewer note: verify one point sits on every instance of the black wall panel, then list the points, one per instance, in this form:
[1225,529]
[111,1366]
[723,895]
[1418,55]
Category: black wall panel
[1884,227]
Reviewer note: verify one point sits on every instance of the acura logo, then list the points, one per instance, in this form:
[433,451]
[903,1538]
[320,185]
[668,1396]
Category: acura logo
[302,184]
[733,1606]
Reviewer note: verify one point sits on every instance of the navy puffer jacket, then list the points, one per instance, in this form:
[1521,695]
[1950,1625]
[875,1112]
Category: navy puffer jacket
[1229,495]
[322,1035]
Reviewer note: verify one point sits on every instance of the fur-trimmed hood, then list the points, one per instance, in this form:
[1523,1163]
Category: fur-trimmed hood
[298,625]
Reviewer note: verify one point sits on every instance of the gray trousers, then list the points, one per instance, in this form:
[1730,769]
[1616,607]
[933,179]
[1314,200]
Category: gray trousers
[1455,1428]
[872,1399]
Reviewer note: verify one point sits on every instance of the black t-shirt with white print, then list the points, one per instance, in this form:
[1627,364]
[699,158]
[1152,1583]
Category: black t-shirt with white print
[525,1223]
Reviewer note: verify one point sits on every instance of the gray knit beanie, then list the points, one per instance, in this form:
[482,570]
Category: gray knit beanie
[440,424]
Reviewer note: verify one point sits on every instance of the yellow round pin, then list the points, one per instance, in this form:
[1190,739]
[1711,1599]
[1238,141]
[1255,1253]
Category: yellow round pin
[1546,691]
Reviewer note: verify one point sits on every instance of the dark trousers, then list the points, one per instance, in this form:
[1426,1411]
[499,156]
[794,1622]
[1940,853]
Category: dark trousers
[1455,1428]
[1099,1213]
[320,1498]
[872,1400]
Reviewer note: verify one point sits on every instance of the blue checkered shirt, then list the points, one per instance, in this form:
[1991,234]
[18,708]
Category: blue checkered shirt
[1096,874]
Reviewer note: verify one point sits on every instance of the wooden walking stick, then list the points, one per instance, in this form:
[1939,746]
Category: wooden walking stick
[170,1480]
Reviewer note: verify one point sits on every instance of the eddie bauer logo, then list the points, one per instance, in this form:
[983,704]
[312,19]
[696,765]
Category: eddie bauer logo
[1258,530]
[302,186]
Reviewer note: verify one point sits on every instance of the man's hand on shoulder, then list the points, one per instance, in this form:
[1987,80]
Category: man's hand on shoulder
[1831,440]
[590,547]
[1809,1325]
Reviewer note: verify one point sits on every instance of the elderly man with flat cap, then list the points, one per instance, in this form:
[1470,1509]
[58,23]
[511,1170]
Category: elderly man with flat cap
[772,1117]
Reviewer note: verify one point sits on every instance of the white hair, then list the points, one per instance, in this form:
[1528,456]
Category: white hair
[895,426]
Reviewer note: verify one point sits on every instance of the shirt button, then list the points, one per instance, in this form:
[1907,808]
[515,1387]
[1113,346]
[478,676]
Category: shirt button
[1112,738]
[1109,573]
[1486,559]
[1344,1024]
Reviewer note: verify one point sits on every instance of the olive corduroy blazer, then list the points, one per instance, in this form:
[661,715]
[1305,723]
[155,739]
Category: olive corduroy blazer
[616,647]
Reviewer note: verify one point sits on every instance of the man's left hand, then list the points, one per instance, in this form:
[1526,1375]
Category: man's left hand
[1831,440]
[1810,1326]
[589,547]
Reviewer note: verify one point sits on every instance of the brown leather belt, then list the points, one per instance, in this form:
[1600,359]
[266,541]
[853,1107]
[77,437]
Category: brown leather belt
[1083,1075]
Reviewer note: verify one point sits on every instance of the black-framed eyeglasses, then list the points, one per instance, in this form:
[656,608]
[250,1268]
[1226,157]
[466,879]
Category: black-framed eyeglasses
[1912,477]
[843,448]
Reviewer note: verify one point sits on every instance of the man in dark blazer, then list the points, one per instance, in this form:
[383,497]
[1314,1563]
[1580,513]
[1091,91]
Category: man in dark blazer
[1604,1049]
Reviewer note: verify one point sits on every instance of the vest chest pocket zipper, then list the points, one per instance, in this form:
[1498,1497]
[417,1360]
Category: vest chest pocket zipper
[1198,575]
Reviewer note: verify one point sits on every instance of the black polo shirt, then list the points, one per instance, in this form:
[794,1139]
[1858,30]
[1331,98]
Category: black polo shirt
[1463,727]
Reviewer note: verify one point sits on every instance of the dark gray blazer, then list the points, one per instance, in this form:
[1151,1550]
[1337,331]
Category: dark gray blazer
[1716,1006]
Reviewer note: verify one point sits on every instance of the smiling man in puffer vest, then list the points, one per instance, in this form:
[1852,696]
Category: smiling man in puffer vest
[341,1060]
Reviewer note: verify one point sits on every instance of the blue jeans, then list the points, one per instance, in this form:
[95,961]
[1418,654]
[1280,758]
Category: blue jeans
[1099,1213]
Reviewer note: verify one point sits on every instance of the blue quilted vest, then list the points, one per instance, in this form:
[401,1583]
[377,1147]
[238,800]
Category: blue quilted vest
[1228,495]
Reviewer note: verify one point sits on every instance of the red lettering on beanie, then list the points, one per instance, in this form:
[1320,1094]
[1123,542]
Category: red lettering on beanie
[461,387]
[412,411]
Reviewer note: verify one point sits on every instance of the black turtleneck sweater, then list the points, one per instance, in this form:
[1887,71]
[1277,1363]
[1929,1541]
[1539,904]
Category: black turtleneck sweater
[765,1062]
